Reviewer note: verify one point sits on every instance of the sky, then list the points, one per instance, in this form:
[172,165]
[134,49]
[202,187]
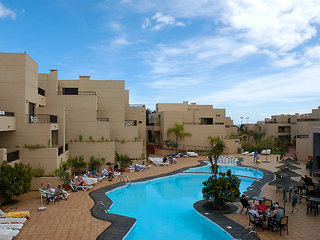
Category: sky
[255,58]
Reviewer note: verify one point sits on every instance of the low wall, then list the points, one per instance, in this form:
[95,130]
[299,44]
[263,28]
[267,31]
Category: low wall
[132,149]
[97,149]
[42,182]
[46,158]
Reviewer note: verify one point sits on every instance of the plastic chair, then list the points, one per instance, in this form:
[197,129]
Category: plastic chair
[284,224]
[252,220]
[268,203]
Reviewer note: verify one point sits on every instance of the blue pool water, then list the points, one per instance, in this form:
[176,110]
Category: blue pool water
[236,170]
[164,208]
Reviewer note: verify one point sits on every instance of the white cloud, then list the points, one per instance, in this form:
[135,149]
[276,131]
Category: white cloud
[146,23]
[287,60]
[245,50]
[281,25]
[174,82]
[292,86]
[6,12]
[159,21]
[313,52]
[120,41]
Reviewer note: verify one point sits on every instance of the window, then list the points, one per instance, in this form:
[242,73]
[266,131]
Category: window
[70,91]
[206,121]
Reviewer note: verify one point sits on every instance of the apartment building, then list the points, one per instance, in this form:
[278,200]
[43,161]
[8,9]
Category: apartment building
[43,120]
[201,121]
[297,129]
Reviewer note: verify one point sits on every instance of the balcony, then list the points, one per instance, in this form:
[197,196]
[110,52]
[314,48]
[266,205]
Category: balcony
[13,156]
[102,119]
[7,121]
[71,93]
[41,118]
[129,123]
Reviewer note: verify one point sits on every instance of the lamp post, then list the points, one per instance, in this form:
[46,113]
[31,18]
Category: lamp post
[247,119]
[241,119]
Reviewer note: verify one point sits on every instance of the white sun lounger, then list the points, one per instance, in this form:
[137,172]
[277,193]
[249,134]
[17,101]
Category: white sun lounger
[8,234]
[12,220]
[10,226]
[74,187]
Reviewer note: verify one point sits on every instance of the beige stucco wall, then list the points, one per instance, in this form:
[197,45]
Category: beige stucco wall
[46,158]
[232,145]
[7,123]
[132,149]
[302,149]
[42,182]
[98,150]
[3,155]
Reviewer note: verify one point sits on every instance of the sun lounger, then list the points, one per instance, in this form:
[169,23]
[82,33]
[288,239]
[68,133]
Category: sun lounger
[192,154]
[90,181]
[8,234]
[10,226]
[83,187]
[12,220]
[17,214]
[116,174]
[245,153]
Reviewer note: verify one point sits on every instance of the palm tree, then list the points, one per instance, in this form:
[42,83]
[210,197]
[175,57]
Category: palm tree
[215,153]
[178,131]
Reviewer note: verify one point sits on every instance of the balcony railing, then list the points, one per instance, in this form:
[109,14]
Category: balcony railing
[41,118]
[102,119]
[13,156]
[79,93]
[41,92]
[137,105]
[129,123]
[6,114]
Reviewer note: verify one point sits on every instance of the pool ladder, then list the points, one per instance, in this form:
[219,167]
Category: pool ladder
[125,178]
[101,203]
[250,230]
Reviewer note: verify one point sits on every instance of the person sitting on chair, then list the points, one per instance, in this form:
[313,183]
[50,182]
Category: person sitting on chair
[276,215]
[254,212]
[244,201]
[261,207]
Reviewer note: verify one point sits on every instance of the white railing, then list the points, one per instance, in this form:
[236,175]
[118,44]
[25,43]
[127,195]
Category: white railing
[229,160]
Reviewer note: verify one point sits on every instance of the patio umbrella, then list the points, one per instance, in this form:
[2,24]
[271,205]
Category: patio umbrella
[292,167]
[287,172]
[285,182]
[289,161]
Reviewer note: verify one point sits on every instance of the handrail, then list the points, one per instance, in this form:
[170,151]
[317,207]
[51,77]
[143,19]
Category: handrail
[101,203]
[125,178]
[251,230]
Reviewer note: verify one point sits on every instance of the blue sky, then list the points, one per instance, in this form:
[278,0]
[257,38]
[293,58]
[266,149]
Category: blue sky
[256,58]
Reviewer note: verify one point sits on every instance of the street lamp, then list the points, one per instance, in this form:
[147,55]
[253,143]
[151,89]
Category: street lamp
[247,119]
[241,119]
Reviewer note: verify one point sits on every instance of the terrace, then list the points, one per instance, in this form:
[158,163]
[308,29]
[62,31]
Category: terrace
[72,219]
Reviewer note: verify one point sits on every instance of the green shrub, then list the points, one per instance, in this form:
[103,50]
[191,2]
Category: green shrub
[123,160]
[94,163]
[223,189]
[63,174]
[80,138]
[38,172]
[14,181]
[90,138]
[123,141]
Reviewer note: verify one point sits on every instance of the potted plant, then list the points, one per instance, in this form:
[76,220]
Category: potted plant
[64,176]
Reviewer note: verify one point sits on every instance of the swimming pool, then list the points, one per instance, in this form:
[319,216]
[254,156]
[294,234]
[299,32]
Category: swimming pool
[236,170]
[164,208]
